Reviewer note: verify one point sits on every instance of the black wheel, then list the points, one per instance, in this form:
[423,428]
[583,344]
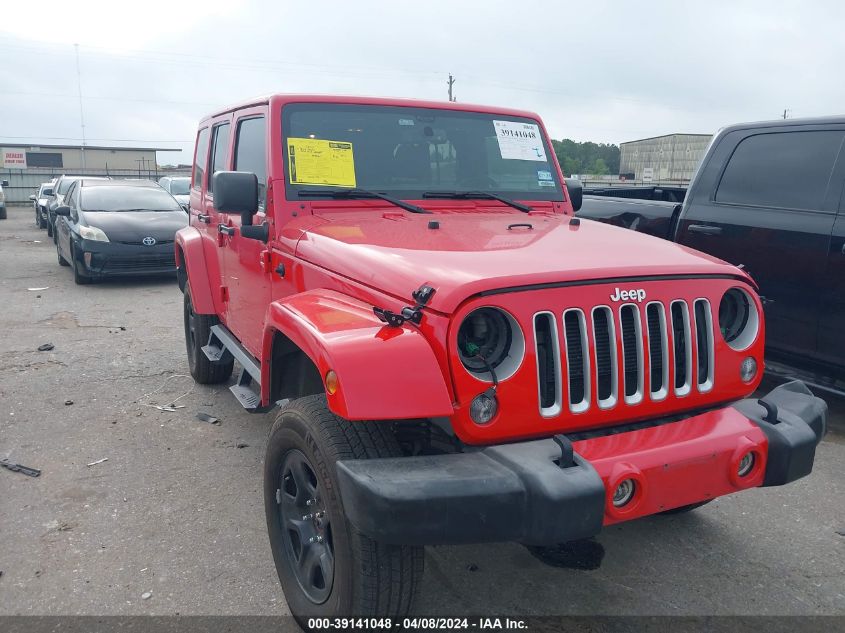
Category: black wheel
[62,261]
[37,218]
[685,509]
[50,231]
[78,278]
[326,567]
[197,330]
[2,213]
[42,223]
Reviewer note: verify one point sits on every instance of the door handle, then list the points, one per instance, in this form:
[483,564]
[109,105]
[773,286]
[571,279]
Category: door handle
[226,230]
[705,228]
[202,217]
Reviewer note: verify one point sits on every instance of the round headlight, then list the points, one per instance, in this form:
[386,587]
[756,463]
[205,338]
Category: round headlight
[490,338]
[738,319]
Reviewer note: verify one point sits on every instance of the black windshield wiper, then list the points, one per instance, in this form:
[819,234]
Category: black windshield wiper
[467,195]
[360,194]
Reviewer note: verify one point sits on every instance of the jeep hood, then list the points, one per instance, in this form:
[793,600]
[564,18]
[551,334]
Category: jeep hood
[469,253]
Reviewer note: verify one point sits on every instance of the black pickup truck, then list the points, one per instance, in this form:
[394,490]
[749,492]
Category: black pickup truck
[771,197]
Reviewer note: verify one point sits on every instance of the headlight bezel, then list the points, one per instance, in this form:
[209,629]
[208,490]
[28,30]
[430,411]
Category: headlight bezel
[738,319]
[508,356]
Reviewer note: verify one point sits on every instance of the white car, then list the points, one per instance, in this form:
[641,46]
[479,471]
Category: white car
[179,187]
[40,201]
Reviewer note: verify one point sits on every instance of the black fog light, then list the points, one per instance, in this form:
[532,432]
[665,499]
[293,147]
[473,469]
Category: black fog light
[484,407]
[624,493]
[746,465]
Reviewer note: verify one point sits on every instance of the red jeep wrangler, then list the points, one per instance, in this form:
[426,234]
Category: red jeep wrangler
[456,357]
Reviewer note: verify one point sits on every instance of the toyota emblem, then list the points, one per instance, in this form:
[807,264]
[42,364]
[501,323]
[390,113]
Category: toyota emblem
[148,241]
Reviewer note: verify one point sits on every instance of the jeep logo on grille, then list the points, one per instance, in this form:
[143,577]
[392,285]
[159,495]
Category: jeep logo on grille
[634,294]
[148,241]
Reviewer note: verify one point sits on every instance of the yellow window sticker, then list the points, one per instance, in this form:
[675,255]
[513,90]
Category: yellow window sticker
[319,162]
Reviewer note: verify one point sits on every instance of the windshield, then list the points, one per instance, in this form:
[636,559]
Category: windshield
[407,152]
[65,184]
[180,186]
[117,198]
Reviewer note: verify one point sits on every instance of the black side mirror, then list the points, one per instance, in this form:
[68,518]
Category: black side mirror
[63,210]
[236,192]
[576,192]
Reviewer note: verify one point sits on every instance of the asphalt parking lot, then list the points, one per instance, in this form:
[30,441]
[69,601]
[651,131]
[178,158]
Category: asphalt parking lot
[176,511]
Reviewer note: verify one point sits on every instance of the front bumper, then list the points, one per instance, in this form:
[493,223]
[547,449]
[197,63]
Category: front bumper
[518,492]
[107,259]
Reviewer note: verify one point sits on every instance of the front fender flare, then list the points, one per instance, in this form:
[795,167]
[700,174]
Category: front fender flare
[190,256]
[383,372]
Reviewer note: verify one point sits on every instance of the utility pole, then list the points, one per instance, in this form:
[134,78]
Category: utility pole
[451,82]
[81,112]
[786,113]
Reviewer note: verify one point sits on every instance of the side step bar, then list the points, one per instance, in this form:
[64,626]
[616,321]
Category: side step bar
[222,346]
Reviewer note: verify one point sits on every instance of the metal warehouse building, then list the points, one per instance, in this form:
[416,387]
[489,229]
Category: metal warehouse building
[26,166]
[673,157]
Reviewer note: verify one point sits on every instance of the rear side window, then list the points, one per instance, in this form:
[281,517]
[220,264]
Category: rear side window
[250,151]
[199,159]
[219,151]
[785,170]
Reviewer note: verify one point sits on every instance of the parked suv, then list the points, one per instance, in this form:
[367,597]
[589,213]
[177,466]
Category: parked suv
[456,357]
[770,197]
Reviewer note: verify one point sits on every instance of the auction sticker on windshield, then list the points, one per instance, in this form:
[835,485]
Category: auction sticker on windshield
[520,141]
[320,162]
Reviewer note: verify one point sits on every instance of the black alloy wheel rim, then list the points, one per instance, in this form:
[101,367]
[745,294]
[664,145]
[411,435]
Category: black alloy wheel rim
[306,529]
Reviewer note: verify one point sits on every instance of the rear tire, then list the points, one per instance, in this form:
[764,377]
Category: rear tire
[346,574]
[197,331]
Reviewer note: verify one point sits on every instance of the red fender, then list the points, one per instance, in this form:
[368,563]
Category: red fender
[383,372]
[189,242]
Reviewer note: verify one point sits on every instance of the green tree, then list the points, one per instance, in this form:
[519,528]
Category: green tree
[599,168]
[587,157]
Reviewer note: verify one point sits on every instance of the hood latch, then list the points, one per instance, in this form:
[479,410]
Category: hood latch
[421,295]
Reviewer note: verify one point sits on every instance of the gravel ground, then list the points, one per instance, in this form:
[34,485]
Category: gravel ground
[176,511]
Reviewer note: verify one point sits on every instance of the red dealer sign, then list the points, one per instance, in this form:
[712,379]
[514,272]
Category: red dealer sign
[14,159]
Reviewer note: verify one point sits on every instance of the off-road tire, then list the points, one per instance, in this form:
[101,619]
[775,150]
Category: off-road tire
[685,509]
[197,331]
[78,277]
[370,579]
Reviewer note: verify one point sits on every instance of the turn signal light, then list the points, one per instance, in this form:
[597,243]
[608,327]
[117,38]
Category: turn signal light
[331,382]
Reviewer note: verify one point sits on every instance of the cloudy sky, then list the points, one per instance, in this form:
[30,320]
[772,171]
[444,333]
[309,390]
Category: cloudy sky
[603,71]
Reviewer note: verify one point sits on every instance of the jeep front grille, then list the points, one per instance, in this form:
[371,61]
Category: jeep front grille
[601,355]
